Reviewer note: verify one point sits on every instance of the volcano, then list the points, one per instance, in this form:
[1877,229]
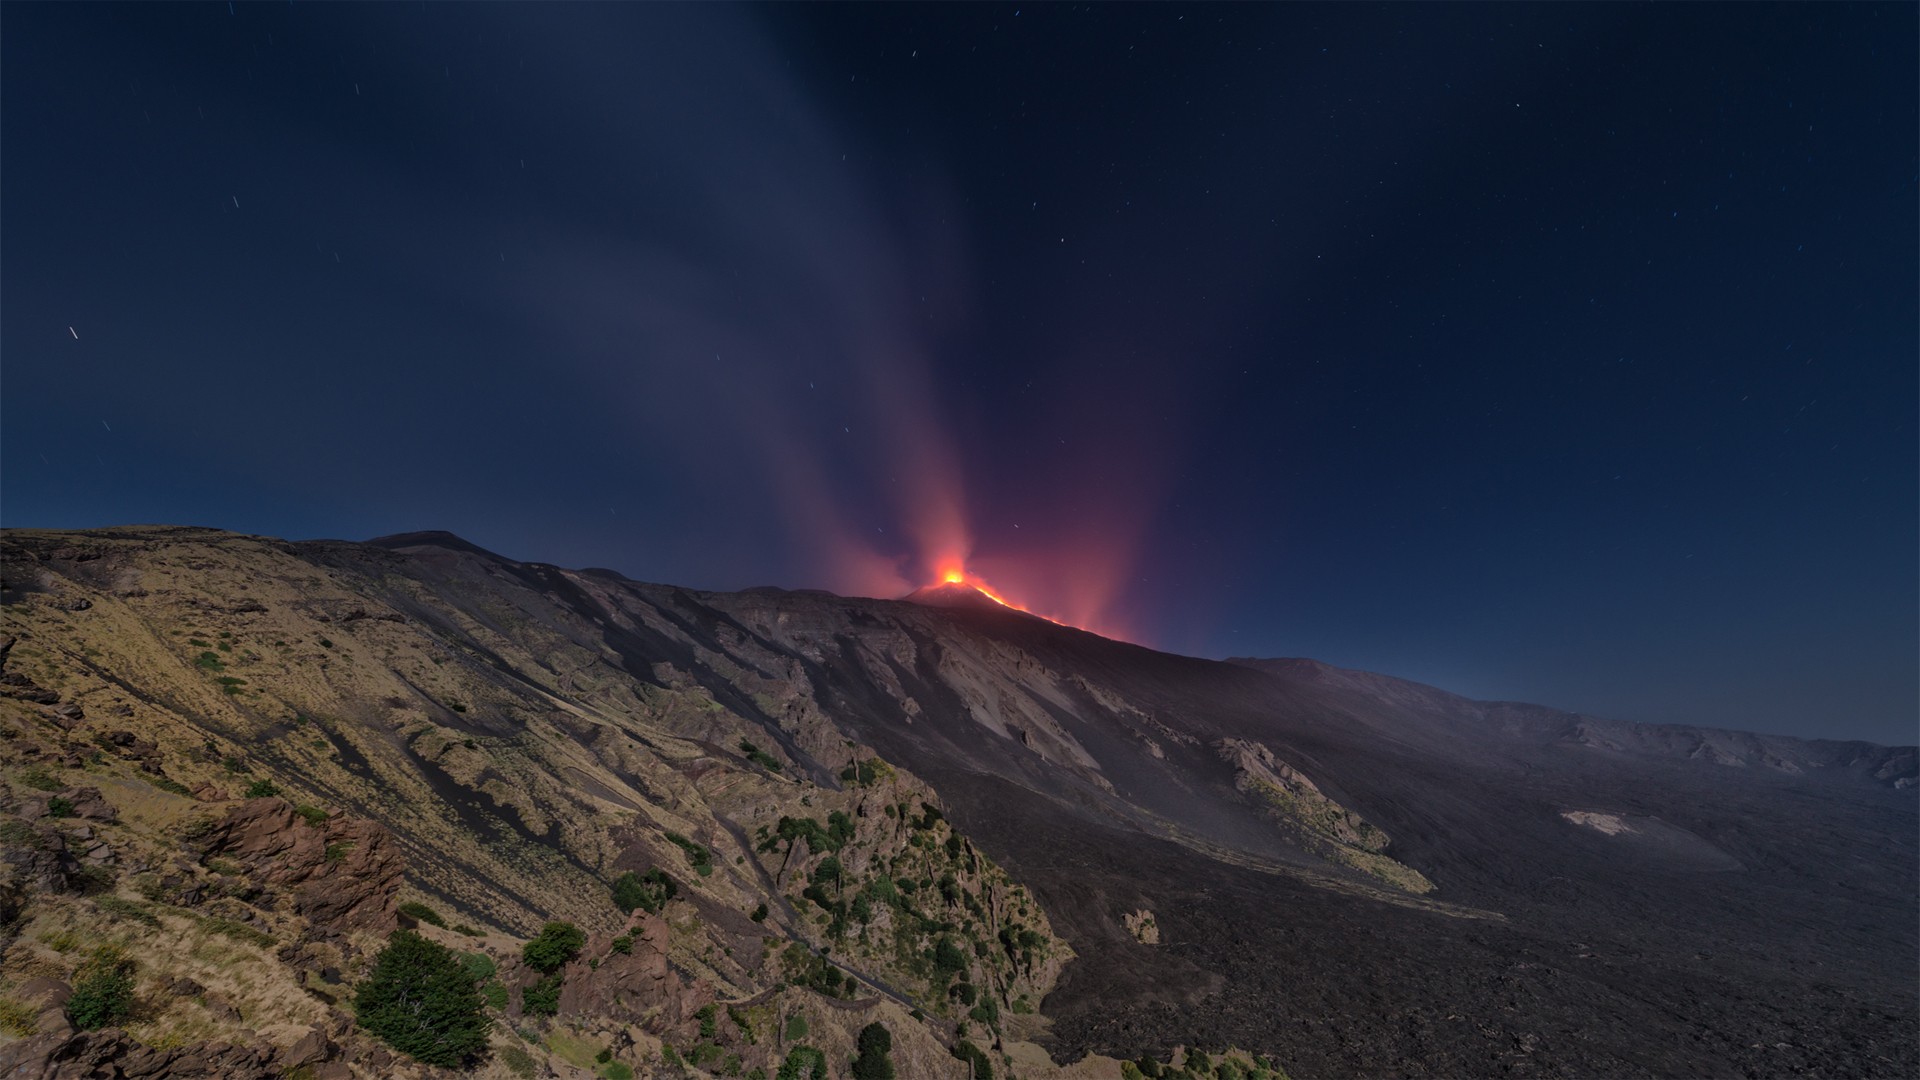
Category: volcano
[955,594]
[1005,840]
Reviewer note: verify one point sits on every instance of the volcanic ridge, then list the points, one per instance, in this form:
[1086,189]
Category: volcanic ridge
[645,830]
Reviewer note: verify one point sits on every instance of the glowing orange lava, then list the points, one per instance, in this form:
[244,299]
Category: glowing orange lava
[958,576]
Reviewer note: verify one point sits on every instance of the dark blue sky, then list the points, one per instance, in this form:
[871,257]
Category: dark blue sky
[1560,353]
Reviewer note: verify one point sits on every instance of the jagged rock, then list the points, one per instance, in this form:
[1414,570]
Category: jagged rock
[89,804]
[632,987]
[309,1049]
[344,874]
[102,1054]
[42,864]
[185,987]
[206,792]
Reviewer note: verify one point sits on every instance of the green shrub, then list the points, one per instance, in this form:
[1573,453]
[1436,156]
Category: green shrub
[617,1071]
[337,851]
[873,1062]
[759,913]
[986,1012]
[542,998]
[38,778]
[709,1023]
[164,784]
[796,1028]
[697,854]
[622,944]
[261,789]
[463,928]
[58,807]
[312,815]
[495,994]
[102,990]
[649,891]
[479,965]
[518,1061]
[975,1058]
[421,1000]
[803,1063]
[759,757]
[948,960]
[557,943]
[414,909]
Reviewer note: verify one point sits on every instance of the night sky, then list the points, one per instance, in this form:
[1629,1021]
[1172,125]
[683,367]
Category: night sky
[1562,353]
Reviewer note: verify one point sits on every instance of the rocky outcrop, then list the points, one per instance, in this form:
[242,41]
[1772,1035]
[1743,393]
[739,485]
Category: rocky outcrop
[634,983]
[1288,796]
[41,863]
[344,874]
[67,1055]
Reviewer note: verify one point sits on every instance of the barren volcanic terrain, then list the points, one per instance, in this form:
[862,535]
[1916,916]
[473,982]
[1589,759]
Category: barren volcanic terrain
[866,805]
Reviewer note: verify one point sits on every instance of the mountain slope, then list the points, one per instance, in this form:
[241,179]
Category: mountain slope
[1349,872]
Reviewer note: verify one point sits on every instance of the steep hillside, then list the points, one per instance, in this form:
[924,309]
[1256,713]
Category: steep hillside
[976,827]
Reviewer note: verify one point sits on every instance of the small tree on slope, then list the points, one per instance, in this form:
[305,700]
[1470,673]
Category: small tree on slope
[423,1002]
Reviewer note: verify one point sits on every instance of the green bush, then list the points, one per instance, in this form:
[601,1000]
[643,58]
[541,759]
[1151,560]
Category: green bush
[948,960]
[759,913]
[649,891]
[495,994]
[542,998]
[421,1000]
[803,1063]
[796,1027]
[873,1062]
[312,815]
[165,784]
[102,990]
[262,789]
[709,1022]
[414,909]
[479,965]
[557,943]
[59,808]
[697,854]
[519,1062]
[975,1058]
[38,778]
[618,1071]
[759,757]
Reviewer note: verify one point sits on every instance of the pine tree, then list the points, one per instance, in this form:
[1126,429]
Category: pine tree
[424,1003]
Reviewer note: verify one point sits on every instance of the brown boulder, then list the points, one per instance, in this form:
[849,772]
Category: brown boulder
[343,874]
